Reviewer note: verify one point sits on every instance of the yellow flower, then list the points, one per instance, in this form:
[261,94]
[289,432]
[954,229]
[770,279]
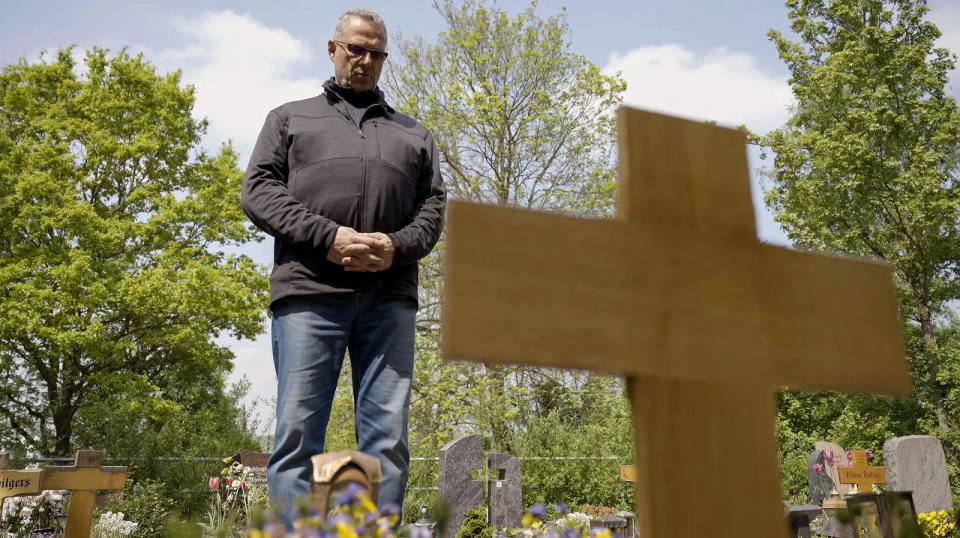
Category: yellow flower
[366,503]
[345,531]
[228,460]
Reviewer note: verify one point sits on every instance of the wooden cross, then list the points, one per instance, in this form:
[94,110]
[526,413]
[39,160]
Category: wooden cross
[17,483]
[861,473]
[677,295]
[82,479]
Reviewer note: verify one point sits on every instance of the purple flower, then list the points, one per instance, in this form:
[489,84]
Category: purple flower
[337,519]
[869,453]
[849,457]
[817,468]
[569,533]
[538,510]
[828,457]
[562,508]
[349,494]
[369,518]
[390,510]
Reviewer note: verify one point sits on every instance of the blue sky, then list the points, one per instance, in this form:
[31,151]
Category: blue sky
[697,58]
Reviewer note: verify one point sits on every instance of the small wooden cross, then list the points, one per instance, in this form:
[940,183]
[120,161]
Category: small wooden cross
[861,473]
[677,294]
[82,479]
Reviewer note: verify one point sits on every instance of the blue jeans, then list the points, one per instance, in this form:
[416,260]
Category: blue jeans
[310,336]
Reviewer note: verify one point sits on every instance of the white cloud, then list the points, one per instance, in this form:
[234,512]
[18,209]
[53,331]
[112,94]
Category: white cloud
[241,69]
[724,86]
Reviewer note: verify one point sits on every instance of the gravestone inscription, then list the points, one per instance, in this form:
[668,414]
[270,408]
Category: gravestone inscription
[861,473]
[917,463]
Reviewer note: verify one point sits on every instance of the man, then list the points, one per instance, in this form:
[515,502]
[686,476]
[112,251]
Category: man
[352,194]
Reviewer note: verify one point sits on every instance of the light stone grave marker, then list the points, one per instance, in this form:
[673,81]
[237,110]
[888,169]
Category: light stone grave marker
[917,463]
[840,461]
[677,294]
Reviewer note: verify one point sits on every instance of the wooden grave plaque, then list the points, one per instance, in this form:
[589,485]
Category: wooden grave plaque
[676,294]
[861,473]
[82,479]
[17,483]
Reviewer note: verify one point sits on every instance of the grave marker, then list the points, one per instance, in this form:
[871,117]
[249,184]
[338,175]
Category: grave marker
[861,473]
[17,483]
[917,463]
[82,479]
[840,461]
[458,461]
[679,296]
[505,505]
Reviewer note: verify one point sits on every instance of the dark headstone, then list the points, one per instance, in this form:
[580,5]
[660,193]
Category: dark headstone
[257,461]
[916,463]
[819,483]
[458,461]
[506,503]
[799,519]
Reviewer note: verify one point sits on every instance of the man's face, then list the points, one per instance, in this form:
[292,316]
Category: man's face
[362,72]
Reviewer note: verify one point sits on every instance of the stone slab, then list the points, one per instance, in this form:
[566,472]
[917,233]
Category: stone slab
[458,461]
[917,463]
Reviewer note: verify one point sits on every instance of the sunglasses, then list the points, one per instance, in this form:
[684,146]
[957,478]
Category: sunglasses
[359,51]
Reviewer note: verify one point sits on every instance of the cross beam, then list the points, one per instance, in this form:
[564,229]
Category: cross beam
[679,296]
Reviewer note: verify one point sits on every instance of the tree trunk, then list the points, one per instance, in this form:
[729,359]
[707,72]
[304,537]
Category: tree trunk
[930,341]
[63,425]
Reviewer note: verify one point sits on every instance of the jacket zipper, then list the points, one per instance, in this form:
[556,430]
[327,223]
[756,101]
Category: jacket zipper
[363,173]
[363,164]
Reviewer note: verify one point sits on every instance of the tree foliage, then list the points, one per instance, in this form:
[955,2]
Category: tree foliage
[113,227]
[867,164]
[519,120]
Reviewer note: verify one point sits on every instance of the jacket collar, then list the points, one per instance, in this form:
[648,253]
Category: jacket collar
[335,93]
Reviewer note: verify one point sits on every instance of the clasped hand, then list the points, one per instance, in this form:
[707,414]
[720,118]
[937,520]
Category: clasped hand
[365,252]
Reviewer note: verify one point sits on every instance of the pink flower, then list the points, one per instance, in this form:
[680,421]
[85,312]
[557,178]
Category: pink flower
[849,457]
[818,468]
[828,457]
[214,483]
[869,453]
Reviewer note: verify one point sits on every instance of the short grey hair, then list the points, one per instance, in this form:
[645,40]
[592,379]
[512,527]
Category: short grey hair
[365,14]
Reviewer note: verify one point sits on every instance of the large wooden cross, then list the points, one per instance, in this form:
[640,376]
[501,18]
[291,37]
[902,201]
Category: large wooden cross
[677,295]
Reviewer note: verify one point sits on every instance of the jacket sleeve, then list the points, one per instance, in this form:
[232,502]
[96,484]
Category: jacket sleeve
[267,202]
[417,239]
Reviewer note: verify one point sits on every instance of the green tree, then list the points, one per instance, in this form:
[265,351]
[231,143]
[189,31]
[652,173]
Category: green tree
[519,120]
[113,228]
[867,164]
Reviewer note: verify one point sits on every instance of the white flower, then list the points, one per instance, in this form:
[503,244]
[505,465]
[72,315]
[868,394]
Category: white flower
[112,524]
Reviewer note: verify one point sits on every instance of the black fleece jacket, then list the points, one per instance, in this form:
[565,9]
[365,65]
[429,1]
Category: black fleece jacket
[314,169]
